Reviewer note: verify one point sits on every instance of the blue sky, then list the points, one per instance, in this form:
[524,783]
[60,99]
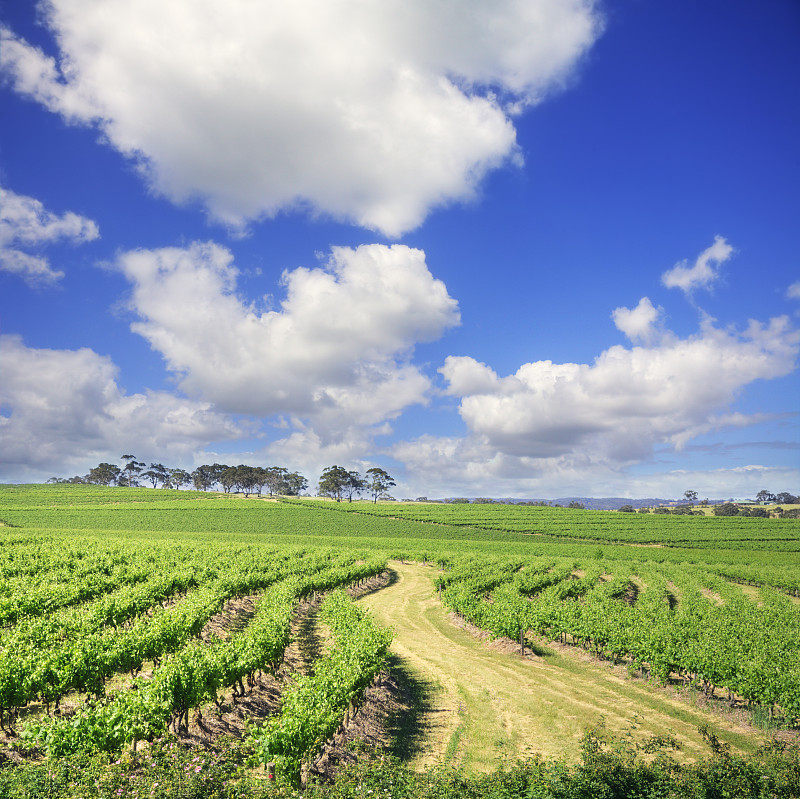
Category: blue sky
[511,249]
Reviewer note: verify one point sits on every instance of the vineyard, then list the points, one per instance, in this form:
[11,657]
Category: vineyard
[108,595]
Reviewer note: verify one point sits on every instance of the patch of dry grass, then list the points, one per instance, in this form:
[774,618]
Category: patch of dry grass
[487,702]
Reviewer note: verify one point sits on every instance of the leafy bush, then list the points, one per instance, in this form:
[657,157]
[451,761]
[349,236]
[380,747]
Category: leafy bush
[726,509]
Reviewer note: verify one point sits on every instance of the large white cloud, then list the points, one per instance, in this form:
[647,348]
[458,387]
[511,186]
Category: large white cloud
[25,223]
[337,351]
[628,400]
[372,112]
[62,411]
[555,429]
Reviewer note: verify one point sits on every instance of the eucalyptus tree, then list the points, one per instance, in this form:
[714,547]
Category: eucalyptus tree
[333,482]
[246,479]
[130,471]
[178,478]
[276,479]
[227,478]
[378,482]
[157,473]
[203,477]
[355,484]
[104,474]
[294,484]
[216,472]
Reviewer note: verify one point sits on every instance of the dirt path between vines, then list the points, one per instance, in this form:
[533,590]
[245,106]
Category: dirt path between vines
[480,701]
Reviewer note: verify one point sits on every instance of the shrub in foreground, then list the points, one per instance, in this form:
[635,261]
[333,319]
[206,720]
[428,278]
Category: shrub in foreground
[610,768]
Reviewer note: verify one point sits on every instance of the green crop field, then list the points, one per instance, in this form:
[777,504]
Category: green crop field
[107,665]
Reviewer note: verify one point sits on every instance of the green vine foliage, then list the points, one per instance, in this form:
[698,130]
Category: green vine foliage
[315,706]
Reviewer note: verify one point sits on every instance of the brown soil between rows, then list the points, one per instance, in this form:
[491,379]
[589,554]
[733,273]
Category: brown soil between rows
[262,697]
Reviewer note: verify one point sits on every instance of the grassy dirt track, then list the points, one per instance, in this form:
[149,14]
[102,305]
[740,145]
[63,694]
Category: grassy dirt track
[480,701]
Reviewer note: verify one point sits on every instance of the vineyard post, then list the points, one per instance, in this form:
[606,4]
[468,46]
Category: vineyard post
[522,642]
[270,771]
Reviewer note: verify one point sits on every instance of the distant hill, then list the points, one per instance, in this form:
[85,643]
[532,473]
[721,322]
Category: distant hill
[613,503]
[601,503]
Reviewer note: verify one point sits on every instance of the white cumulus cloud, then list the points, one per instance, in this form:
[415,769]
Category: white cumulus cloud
[793,292]
[705,270]
[62,411]
[370,112]
[24,224]
[337,351]
[625,402]
[639,324]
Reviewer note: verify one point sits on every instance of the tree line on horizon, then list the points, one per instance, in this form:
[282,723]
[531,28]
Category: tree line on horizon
[336,482]
[339,483]
[242,478]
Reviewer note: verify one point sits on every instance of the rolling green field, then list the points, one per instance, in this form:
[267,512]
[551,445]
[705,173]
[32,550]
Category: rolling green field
[105,592]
